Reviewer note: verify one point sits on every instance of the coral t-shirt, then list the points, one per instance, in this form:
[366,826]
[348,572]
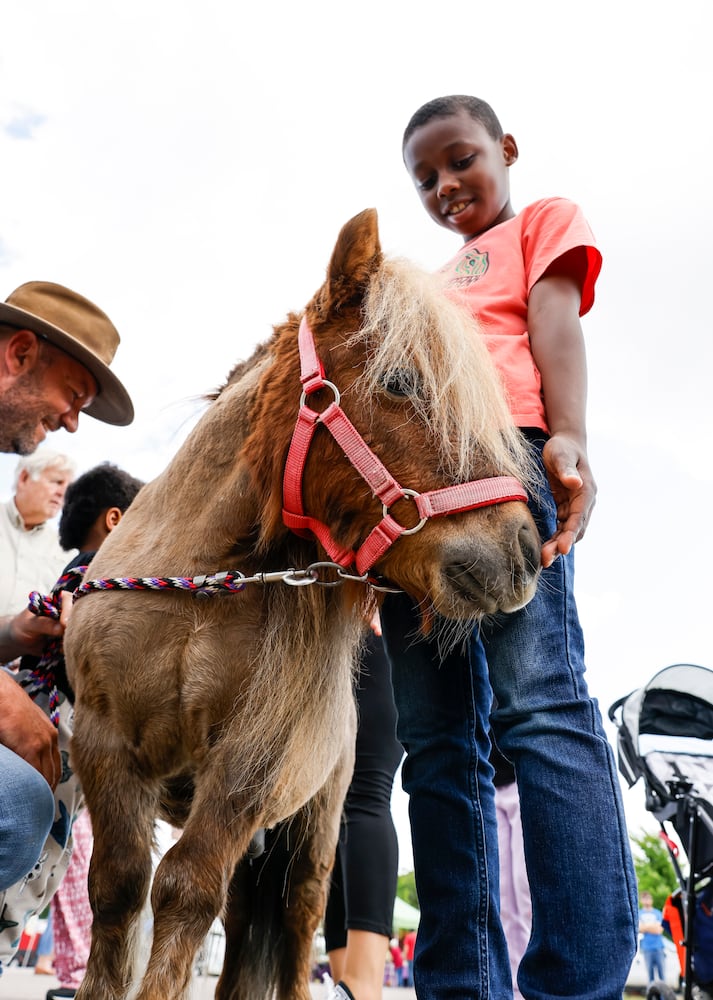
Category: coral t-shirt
[493,275]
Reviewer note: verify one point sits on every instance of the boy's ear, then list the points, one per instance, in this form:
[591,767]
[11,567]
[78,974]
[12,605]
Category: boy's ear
[112,518]
[510,150]
[21,352]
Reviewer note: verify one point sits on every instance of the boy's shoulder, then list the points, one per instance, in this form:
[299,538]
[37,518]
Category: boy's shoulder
[554,206]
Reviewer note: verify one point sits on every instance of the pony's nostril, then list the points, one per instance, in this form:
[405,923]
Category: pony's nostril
[529,546]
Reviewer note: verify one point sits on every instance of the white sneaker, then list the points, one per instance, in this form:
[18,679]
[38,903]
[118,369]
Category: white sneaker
[339,992]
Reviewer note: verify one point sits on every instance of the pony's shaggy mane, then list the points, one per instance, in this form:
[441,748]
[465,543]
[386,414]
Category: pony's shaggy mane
[460,397]
[290,640]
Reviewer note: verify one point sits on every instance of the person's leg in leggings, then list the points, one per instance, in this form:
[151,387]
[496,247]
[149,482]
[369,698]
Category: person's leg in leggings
[515,903]
[364,883]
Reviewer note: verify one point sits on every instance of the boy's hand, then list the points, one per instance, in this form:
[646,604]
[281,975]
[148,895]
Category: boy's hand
[574,490]
[26,730]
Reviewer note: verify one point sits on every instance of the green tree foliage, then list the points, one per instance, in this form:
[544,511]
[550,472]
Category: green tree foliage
[406,888]
[654,871]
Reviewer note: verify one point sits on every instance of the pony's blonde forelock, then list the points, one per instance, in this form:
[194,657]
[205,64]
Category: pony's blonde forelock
[460,395]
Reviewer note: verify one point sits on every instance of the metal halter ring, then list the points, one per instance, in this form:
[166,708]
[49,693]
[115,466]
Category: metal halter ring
[314,568]
[407,531]
[299,578]
[324,384]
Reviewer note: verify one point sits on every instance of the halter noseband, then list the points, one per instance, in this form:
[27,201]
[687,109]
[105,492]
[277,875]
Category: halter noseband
[435,503]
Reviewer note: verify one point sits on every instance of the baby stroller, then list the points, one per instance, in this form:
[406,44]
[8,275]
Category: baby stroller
[665,735]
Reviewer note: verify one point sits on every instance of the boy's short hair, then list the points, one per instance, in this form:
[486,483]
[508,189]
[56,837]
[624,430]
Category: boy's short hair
[444,107]
[87,497]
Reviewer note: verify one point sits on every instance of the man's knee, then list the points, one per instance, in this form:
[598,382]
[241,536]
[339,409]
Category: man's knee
[26,816]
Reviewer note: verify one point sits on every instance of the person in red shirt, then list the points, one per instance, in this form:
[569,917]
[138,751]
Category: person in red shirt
[409,946]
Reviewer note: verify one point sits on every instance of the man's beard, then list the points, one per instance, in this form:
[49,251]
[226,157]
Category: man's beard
[20,415]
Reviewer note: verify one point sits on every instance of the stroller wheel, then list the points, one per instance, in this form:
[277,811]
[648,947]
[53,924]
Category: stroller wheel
[660,991]
[698,993]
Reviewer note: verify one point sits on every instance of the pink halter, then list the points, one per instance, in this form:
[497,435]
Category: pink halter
[435,503]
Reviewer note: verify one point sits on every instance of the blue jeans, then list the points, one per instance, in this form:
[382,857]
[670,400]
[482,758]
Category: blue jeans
[654,959]
[584,901]
[26,815]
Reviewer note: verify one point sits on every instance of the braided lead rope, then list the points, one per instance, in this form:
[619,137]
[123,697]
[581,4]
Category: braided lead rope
[43,677]
[203,585]
[230,581]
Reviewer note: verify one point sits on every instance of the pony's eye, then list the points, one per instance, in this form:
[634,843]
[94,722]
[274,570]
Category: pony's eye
[401,383]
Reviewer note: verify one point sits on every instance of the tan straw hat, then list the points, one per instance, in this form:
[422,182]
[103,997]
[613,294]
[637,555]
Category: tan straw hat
[82,330]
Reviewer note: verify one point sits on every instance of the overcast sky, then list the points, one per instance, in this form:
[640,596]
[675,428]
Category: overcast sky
[188,166]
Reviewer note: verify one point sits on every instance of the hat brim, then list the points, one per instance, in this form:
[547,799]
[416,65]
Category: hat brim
[112,404]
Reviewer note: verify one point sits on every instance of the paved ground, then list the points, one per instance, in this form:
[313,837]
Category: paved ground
[23,984]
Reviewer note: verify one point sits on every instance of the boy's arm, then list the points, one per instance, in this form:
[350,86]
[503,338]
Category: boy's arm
[558,349]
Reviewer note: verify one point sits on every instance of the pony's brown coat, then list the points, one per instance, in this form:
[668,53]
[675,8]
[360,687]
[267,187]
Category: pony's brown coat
[234,713]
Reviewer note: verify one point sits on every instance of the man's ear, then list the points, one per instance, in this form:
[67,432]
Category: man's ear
[112,518]
[21,352]
[510,150]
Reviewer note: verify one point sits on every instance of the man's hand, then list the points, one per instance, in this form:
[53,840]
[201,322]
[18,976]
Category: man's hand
[25,729]
[574,491]
[27,633]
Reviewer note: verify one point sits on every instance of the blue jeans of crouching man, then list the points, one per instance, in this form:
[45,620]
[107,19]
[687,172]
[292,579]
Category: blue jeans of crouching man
[585,907]
[26,814]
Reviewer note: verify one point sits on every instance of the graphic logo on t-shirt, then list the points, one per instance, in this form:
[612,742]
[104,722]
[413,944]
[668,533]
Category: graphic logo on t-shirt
[470,267]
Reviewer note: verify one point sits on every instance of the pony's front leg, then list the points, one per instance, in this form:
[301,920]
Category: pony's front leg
[314,832]
[188,893]
[119,877]
[276,902]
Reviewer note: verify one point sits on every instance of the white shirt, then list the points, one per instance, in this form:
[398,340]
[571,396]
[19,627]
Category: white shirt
[29,560]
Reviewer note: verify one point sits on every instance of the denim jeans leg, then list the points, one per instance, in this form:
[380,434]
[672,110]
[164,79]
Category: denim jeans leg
[582,882]
[654,964]
[443,711]
[26,815]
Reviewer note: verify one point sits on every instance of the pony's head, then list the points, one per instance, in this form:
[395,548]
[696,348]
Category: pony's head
[417,382]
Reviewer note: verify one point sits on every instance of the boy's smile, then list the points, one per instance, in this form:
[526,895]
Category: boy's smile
[461,173]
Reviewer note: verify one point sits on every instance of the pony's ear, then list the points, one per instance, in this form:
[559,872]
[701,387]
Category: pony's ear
[356,255]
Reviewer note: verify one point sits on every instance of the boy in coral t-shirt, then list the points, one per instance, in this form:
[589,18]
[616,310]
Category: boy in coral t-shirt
[528,277]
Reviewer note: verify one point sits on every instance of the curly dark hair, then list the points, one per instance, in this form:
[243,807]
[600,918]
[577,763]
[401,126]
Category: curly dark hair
[444,107]
[87,497]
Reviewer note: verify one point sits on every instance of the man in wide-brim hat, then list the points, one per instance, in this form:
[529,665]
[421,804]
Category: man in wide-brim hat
[55,351]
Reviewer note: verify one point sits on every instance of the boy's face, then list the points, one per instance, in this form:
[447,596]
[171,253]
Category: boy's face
[461,173]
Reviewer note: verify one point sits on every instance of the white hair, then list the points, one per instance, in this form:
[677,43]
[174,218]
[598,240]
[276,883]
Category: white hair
[34,465]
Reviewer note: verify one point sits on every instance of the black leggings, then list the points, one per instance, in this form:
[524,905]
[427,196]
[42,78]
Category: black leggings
[361,896]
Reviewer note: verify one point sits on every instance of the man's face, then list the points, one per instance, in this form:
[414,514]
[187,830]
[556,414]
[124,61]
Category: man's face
[39,499]
[50,396]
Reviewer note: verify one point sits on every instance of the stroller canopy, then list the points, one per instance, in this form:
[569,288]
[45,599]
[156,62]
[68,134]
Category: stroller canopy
[677,702]
[666,736]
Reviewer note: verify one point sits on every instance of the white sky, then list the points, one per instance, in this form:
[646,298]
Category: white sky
[188,166]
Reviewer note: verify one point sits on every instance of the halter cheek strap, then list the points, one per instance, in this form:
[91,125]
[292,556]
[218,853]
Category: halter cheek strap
[435,503]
